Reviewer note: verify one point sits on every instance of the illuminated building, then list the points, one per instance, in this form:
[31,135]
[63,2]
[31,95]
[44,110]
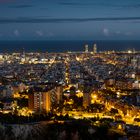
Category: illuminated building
[93,98]
[31,101]
[86,99]
[47,101]
[94,48]
[86,48]
[44,99]
[40,101]
[59,91]
[136,85]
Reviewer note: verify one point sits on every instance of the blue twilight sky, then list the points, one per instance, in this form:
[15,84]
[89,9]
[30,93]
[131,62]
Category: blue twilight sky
[69,19]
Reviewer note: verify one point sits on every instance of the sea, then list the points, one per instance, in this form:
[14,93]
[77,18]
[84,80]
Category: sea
[65,46]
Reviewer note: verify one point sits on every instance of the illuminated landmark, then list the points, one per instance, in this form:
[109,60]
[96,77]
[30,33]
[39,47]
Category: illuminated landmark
[94,48]
[86,48]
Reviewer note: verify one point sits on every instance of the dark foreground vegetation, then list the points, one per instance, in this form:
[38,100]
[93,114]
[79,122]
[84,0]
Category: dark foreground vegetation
[70,130]
[53,127]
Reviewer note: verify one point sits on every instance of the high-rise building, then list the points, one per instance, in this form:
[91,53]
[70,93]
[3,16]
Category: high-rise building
[59,91]
[94,48]
[31,101]
[86,99]
[86,48]
[41,99]
[47,101]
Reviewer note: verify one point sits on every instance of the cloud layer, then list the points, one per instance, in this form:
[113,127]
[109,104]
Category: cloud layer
[64,20]
[21,6]
[101,4]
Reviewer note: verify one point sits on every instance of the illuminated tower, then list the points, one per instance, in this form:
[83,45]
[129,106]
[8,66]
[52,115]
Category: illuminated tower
[86,48]
[94,48]
[134,51]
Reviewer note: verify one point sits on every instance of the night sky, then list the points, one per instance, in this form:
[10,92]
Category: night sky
[69,19]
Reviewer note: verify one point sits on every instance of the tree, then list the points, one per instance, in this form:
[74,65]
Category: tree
[114,111]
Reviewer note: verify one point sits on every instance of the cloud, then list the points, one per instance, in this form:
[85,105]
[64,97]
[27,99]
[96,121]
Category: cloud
[21,6]
[106,32]
[101,4]
[75,4]
[39,33]
[128,33]
[16,32]
[50,34]
[118,32]
[64,20]
[130,6]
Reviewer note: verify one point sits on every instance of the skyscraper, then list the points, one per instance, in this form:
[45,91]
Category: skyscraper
[94,48]
[86,48]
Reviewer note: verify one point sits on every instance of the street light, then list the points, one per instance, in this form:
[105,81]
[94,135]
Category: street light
[94,96]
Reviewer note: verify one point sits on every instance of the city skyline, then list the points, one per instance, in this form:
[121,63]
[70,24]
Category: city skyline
[64,20]
[69,70]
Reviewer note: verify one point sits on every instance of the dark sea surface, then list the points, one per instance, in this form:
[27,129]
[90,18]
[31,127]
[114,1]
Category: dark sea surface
[64,46]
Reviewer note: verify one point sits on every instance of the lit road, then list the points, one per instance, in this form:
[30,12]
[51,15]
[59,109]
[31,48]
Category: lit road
[81,115]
